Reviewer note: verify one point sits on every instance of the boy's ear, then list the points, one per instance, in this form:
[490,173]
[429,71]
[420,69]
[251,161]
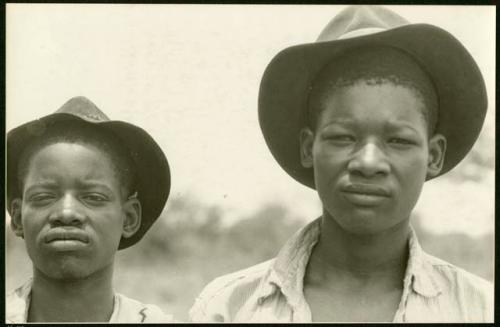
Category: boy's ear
[16,221]
[437,150]
[133,216]
[306,147]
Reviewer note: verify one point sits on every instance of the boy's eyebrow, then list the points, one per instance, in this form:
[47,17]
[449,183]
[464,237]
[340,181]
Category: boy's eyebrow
[391,125]
[44,184]
[399,124]
[54,185]
[92,183]
[339,121]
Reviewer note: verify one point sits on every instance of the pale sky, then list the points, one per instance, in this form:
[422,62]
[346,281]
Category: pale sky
[190,74]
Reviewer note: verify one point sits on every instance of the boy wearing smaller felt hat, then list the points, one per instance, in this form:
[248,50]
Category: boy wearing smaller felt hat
[367,114]
[80,187]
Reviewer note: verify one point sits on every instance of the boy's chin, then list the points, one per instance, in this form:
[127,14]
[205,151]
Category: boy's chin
[364,223]
[69,275]
[70,270]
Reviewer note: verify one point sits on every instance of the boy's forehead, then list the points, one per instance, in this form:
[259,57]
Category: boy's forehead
[63,158]
[386,101]
[78,166]
[95,138]
[103,146]
[59,147]
[372,70]
[350,91]
[373,67]
[75,155]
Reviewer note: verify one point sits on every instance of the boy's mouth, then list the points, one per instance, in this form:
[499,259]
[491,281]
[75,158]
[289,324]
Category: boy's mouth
[366,189]
[66,235]
[365,195]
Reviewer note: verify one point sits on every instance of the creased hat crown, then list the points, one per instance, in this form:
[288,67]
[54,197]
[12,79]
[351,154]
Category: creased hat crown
[360,20]
[84,108]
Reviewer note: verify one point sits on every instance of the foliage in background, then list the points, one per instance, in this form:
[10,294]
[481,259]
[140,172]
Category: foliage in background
[192,244]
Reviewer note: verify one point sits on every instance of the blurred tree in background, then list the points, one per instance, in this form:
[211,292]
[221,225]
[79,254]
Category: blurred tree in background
[479,162]
[191,244]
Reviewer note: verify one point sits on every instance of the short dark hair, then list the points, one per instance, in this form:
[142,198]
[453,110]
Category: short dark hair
[374,66]
[85,134]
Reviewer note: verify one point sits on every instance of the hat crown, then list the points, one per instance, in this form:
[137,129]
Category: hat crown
[360,20]
[83,108]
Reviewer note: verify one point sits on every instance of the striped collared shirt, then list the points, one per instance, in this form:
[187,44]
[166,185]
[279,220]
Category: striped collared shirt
[433,290]
[125,310]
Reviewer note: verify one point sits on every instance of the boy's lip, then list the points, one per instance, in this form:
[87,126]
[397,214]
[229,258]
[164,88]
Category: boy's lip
[365,195]
[62,234]
[366,189]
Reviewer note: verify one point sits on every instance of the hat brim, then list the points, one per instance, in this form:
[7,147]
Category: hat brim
[458,81]
[153,172]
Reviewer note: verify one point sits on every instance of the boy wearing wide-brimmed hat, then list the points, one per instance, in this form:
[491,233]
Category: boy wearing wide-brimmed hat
[80,187]
[365,116]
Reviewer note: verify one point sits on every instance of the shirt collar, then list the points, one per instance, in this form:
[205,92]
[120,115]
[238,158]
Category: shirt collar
[419,271]
[287,272]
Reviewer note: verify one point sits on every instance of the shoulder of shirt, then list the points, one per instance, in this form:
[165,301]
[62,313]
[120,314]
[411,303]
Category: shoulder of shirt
[451,273]
[16,303]
[226,287]
[149,313]
[230,281]
[13,305]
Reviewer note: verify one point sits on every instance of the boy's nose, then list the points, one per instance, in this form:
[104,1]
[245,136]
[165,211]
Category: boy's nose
[68,212]
[369,161]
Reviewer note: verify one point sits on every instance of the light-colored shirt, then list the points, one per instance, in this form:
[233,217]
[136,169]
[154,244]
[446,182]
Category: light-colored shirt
[125,310]
[433,290]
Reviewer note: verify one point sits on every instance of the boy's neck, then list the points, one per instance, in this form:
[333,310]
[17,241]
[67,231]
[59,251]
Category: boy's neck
[361,256]
[81,300]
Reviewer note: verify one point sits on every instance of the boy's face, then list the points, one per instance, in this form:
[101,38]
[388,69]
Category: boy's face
[73,214]
[371,155]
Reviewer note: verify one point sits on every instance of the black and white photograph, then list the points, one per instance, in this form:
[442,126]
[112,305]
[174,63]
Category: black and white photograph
[230,163]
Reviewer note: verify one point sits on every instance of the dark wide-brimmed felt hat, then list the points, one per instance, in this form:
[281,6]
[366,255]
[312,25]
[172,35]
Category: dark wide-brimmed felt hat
[152,170]
[455,75]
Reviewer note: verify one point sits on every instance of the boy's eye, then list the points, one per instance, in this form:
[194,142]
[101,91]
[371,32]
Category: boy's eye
[401,141]
[94,198]
[341,138]
[41,199]
[345,138]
